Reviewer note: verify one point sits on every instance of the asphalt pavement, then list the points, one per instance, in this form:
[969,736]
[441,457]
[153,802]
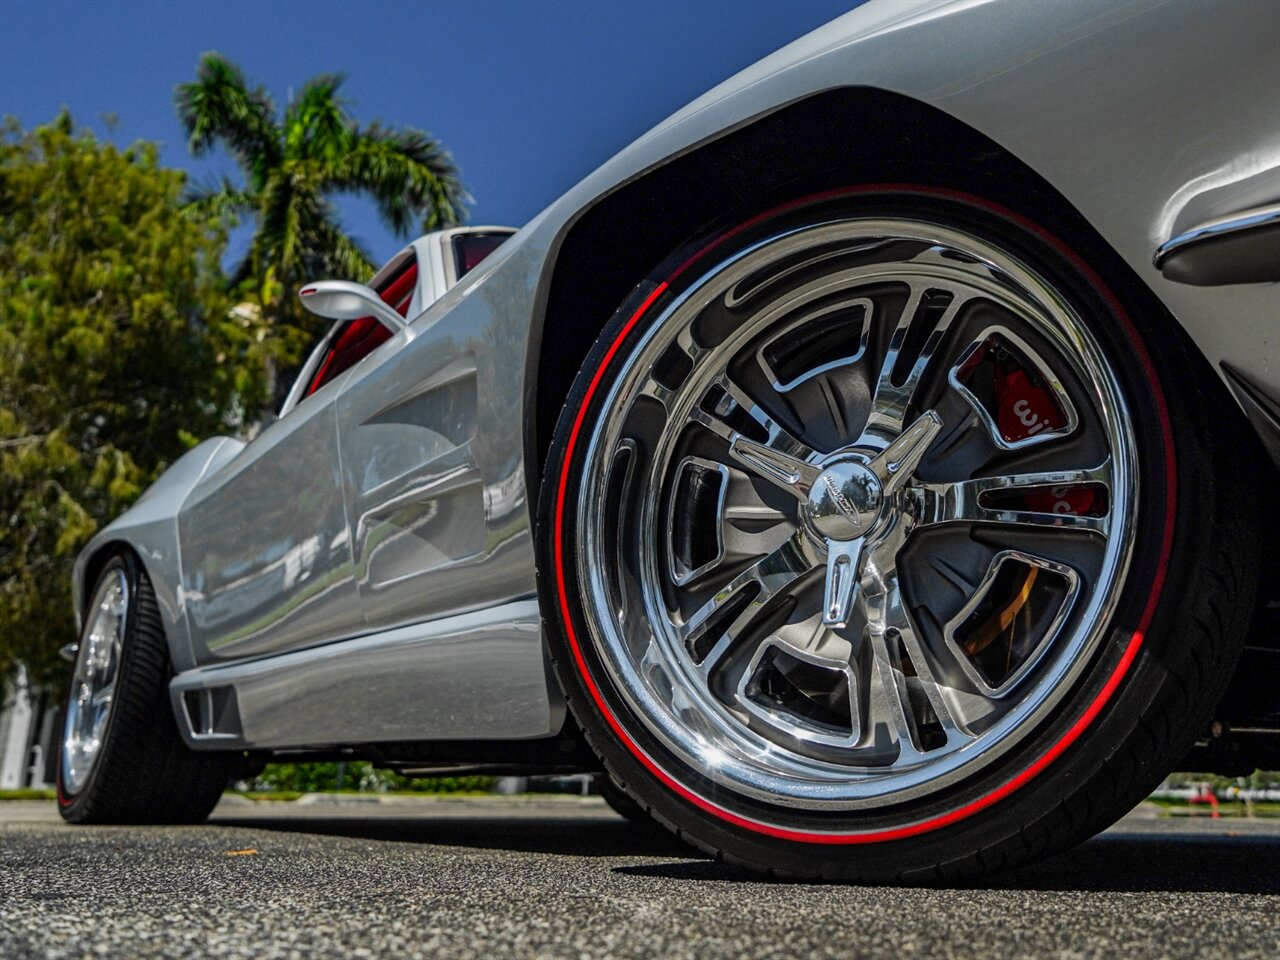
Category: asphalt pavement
[564,877]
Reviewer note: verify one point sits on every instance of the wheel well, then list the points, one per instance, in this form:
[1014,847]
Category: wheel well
[93,567]
[836,138]
[832,139]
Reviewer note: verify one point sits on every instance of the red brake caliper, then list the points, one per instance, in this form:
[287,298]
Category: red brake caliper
[1025,409]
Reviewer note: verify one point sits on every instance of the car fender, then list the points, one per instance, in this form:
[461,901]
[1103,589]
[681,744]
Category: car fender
[150,529]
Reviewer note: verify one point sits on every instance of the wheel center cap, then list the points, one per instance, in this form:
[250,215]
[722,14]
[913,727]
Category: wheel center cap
[845,501]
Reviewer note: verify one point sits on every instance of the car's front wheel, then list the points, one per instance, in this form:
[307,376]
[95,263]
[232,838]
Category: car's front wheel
[122,759]
[884,541]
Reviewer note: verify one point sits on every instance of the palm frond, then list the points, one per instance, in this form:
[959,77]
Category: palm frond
[276,219]
[219,107]
[316,124]
[218,200]
[294,163]
[408,175]
[338,256]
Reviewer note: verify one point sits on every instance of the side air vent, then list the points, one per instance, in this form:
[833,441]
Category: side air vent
[211,713]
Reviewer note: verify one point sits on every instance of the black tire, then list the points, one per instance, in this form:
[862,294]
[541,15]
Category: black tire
[1174,635]
[621,802]
[144,772]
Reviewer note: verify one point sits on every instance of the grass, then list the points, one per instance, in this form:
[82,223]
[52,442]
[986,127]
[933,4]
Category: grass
[288,796]
[29,793]
[1226,808]
[268,796]
[257,796]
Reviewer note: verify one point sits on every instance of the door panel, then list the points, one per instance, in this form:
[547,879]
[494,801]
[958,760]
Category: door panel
[417,497]
[266,551]
[433,463]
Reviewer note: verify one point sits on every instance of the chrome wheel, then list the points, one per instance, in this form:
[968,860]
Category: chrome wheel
[857,514]
[93,682]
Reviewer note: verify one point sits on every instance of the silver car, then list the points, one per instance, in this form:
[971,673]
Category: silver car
[867,471]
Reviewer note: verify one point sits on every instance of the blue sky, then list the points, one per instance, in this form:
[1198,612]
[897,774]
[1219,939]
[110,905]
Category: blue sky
[529,95]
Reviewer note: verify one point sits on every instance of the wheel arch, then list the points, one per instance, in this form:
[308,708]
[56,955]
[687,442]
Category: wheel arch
[92,565]
[89,567]
[92,569]
[823,141]
[827,140]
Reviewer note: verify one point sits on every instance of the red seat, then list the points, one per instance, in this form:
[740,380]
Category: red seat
[358,338]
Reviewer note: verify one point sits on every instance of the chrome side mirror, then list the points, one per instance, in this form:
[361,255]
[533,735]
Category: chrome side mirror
[344,300]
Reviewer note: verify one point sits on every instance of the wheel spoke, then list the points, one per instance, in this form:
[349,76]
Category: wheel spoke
[782,459]
[962,501]
[890,401]
[797,477]
[103,696]
[889,621]
[898,461]
[718,650]
[896,702]
[844,571]
[765,578]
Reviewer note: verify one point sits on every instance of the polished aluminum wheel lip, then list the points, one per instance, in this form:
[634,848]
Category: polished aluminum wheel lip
[681,714]
[93,681]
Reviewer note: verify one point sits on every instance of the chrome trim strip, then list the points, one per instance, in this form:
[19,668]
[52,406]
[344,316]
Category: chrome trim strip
[1222,226]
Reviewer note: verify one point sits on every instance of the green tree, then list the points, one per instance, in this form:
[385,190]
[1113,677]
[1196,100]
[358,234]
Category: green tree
[292,164]
[119,347]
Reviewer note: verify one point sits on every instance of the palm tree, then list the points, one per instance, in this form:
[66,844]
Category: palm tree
[293,163]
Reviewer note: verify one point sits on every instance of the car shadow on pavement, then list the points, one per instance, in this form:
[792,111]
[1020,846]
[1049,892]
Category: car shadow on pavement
[1110,863]
[1122,862]
[1117,861]
[567,836]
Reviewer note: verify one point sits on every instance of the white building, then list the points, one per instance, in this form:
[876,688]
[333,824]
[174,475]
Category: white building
[28,734]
